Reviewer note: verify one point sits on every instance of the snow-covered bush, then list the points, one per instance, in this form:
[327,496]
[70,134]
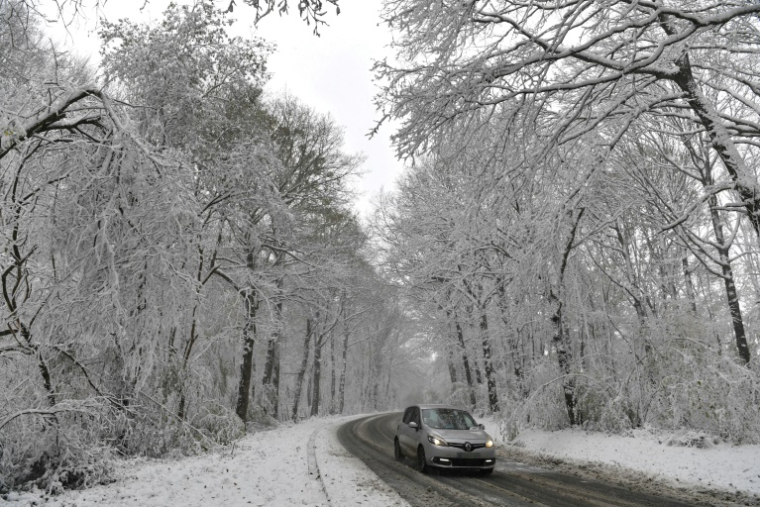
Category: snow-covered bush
[544,407]
[591,401]
[459,395]
[720,398]
[55,449]
[617,416]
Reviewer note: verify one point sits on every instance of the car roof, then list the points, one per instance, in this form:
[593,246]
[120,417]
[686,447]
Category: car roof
[437,405]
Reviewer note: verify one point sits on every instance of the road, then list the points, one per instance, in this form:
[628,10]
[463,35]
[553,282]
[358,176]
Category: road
[512,484]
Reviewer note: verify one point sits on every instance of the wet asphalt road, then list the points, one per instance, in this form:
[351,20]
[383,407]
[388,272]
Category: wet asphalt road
[511,484]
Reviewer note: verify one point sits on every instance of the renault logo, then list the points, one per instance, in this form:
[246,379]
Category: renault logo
[467,446]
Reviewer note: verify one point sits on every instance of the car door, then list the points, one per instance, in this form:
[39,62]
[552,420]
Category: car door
[414,434]
[403,430]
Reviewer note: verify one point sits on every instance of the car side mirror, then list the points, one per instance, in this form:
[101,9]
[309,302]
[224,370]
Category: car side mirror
[480,426]
[414,425]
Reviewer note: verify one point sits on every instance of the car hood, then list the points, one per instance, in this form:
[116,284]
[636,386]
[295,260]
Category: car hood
[462,436]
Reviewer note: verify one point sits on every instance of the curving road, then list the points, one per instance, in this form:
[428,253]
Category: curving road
[512,484]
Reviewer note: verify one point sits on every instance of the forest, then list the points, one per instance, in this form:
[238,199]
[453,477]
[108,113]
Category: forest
[574,242]
[580,227]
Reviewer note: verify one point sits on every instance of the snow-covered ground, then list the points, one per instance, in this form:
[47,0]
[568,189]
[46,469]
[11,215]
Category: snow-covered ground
[659,455]
[275,468]
[305,464]
[346,479]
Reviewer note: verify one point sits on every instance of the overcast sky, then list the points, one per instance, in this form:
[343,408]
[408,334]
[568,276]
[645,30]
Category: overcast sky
[331,73]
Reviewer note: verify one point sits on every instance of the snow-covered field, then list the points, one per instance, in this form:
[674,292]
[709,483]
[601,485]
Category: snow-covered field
[276,468]
[715,466]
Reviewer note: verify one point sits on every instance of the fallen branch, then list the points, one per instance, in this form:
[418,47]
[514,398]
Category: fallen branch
[44,412]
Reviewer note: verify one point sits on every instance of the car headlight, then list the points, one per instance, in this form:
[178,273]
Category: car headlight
[489,443]
[437,441]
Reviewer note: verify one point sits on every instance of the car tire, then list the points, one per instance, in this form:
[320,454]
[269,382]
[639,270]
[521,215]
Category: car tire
[422,465]
[397,451]
[486,471]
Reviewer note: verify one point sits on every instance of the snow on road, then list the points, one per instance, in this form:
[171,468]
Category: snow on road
[719,466]
[268,468]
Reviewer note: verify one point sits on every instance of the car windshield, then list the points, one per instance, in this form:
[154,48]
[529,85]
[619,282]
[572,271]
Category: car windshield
[447,419]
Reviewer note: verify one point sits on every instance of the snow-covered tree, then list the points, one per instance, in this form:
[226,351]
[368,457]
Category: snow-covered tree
[577,67]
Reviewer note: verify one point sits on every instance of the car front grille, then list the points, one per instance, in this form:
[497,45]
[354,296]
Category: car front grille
[461,446]
[463,462]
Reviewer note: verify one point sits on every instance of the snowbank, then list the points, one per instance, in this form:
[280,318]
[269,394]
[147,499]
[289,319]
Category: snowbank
[715,466]
[275,468]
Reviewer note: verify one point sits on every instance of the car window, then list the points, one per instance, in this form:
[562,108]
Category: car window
[448,419]
[407,415]
[416,415]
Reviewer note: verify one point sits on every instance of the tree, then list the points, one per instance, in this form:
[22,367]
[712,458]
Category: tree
[201,89]
[154,227]
[691,158]
[576,67]
[311,11]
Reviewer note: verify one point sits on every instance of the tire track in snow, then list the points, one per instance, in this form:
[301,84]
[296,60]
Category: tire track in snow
[312,464]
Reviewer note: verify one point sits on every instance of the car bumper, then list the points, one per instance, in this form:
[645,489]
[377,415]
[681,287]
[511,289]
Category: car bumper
[452,457]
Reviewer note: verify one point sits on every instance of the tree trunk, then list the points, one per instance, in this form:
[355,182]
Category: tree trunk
[246,369]
[728,279]
[465,362]
[309,388]
[493,396]
[271,381]
[478,376]
[475,365]
[316,377]
[271,359]
[46,379]
[275,387]
[342,388]
[302,371]
[689,285]
[744,182]
[560,339]
[267,387]
[181,412]
[513,343]
[564,358]
[332,376]
[375,390]
[269,363]
[388,383]
[705,289]
[452,366]
[367,389]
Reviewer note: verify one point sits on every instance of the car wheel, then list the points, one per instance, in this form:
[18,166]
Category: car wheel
[421,462]
[397,451]
[486,471]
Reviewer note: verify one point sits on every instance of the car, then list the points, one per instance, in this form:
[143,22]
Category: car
[443,437]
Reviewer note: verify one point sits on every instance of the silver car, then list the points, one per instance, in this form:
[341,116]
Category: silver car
[443,436]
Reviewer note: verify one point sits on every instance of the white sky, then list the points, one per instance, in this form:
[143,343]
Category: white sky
[331,73]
